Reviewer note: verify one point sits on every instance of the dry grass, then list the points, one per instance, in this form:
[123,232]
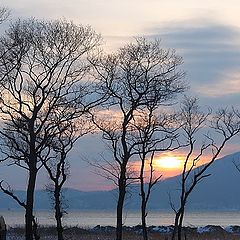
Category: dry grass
[75,233]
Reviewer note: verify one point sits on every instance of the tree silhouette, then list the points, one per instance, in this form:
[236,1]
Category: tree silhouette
[205,135]
[140,75]
[43,83]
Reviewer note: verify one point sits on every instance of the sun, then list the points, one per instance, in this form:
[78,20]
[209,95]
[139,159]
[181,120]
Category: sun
[169,162]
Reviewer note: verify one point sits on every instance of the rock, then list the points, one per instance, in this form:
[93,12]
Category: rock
[209,229]
[161,229]
[233,229]
[100,228]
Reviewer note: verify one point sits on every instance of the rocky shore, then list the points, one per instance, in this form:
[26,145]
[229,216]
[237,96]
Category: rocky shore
[209,232]
[169,229]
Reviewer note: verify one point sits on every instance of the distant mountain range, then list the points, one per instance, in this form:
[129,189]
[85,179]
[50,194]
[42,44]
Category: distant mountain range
[220,191]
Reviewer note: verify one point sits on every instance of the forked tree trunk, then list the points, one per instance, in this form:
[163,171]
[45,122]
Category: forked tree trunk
[178,223]
[175,230]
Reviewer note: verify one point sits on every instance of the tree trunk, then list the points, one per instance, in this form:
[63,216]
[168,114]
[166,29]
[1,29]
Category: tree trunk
[3,229]
[29,218]
[175,230]
[144,225]
[143,209]
[180,223]
[58,213]
[35,228]
[120,204]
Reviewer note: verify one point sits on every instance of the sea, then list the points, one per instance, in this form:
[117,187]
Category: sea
[90,219]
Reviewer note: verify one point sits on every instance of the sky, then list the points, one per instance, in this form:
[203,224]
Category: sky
[205,33]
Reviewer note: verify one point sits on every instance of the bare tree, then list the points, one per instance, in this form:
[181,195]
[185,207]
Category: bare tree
[224,125]
[236,161]
[4,14]
[57,165]
[139,75]
[9,191]
[43,86]
[155,133]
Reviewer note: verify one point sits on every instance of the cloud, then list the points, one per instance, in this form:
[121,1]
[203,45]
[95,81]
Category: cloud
[228,86]
[211,52]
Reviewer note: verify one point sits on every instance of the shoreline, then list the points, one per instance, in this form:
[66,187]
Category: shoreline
[89,219]
[99,232]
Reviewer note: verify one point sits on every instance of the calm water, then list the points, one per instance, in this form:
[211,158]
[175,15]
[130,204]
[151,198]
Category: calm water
[93,218]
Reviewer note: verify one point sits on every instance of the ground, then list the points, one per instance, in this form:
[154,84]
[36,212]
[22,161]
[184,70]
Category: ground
[75,233]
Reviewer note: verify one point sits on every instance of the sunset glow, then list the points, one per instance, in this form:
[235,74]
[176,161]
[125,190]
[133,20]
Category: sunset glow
[169,162]
[205,34]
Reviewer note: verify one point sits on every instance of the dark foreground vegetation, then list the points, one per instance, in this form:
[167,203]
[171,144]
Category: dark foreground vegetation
[132,233]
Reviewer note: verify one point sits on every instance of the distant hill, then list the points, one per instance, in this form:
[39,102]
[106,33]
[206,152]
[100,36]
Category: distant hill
[220,191]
